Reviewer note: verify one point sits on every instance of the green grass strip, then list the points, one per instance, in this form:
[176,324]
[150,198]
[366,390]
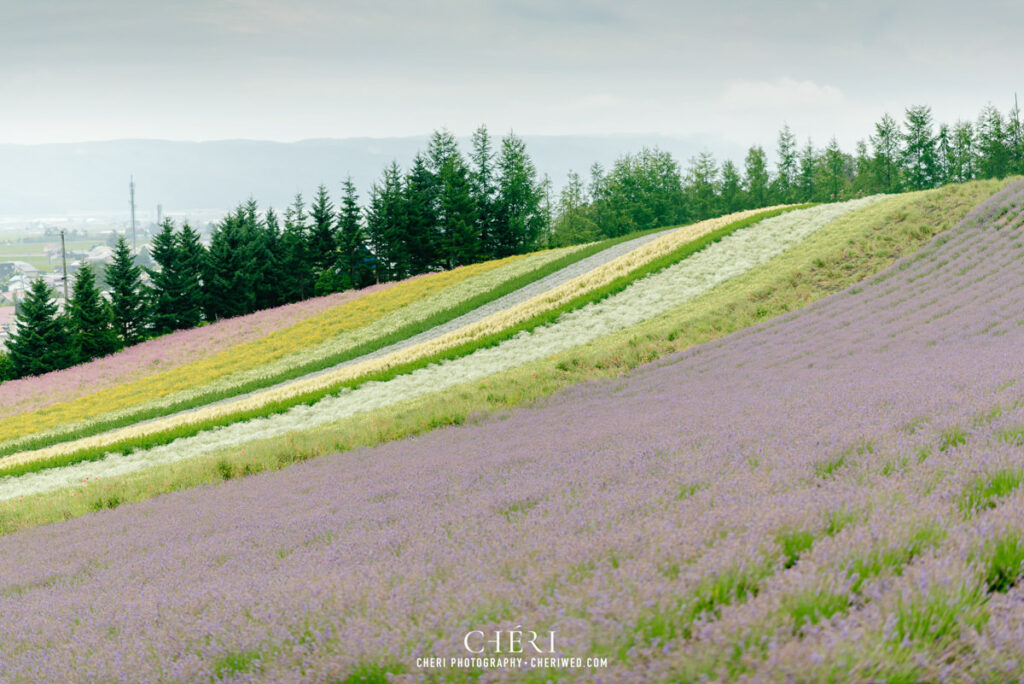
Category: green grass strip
[311,397]
[398,335]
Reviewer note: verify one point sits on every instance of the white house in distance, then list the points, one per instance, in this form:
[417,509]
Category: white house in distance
[7,324]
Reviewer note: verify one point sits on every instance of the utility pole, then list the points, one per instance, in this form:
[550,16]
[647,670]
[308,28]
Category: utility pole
[64,263]
[131,191]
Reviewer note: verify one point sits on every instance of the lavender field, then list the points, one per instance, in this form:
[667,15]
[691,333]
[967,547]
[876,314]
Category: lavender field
[832,495]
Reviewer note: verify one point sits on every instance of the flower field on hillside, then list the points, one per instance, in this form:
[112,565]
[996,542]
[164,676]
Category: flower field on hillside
[836,495]
[644,299]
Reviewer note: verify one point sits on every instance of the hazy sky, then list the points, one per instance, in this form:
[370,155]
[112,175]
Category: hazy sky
[75,70]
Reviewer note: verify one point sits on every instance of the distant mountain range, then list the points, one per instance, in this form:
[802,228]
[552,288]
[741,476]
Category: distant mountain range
[69,178]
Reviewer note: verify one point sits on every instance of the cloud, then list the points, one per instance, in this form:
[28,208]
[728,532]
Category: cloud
[783,93]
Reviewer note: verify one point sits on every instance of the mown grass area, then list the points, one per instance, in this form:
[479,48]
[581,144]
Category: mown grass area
[842,254]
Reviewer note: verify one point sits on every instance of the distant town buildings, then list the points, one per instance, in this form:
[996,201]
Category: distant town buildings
[16,278]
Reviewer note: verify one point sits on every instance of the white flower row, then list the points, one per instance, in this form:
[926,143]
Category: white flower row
[645,299]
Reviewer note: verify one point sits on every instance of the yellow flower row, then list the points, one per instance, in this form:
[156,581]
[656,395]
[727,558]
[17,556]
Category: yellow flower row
[494,323]
[277,345]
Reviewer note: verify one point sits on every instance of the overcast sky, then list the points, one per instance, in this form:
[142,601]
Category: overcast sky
[73,70]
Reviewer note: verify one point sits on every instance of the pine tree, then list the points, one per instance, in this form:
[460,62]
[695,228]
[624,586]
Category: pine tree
[1015,138]
[702,187]
[40,342]
[352,251]
[518,222]
[786,168]
[421,191]
[266,254]
[166,285]
[484,190]
[964,154]
[191,262]
[946,161]
[756,177]
[6,367]
[458,214]
[993,152]
[642,191]
[732,188]
[834,175]
[386,226]
[600,210]
[546,212]
[886,145]
[573,225]
[920,160]
[296,275]
[808,169]
[89,319]
[126,294]
[322,238]
[228,278]
[442,147]
[862,180]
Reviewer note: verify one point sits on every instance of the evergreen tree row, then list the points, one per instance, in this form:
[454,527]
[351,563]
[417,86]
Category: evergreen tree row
[648,189]
[448,209]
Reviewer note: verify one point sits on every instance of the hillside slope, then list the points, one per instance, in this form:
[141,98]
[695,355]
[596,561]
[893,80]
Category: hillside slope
[835,493]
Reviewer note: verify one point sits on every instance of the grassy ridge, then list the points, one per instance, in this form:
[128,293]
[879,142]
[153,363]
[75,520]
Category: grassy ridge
[311,397]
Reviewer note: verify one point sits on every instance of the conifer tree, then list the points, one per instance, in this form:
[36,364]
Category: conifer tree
[755,177]
[40,342]
[191,263]
[6,367]
[964,154]
[808,169]
[547,212]
[573,225]
[441,148]
[886,145]
[702,186]
[1015,138]
[166,287]
[266,255]
[126,295]
[920,160]
[732,188]
[385,229]
[518,221]
[458,214]
[89,319]
[945,160]
[862,180]
[484,190]
[296,281]
[833,173]
[322,238]
[352,251]
[421,192]
[994,155]
[786,166]
[228,278]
